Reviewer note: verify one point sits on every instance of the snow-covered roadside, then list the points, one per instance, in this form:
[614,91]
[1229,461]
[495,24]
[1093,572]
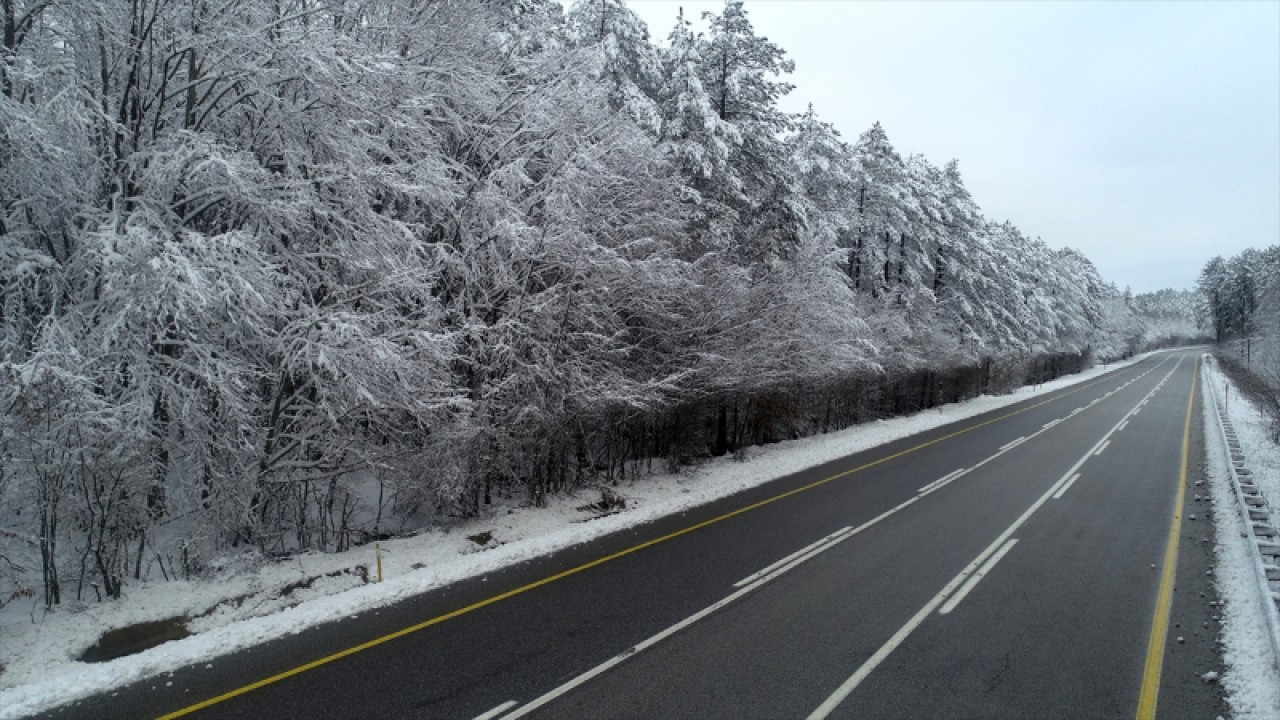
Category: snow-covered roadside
[1251,681]
[38,652]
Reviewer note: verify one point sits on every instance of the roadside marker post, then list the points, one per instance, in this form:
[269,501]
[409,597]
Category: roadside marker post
[377,551]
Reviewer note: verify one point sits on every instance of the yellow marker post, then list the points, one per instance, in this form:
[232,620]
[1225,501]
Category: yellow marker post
[377,552]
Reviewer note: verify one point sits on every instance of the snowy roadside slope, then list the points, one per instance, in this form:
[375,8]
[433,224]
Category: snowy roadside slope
[1250,680]
[1250,424]
[38,653]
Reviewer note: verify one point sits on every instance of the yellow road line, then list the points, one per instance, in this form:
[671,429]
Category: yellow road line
[598,561]
[1164,599]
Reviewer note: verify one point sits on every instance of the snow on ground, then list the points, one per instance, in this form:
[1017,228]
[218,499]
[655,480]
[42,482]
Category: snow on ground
[1251,680]
[38,650]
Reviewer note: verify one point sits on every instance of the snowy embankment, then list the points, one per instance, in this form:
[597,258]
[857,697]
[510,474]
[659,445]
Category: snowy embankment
[1251,680]
[242,608]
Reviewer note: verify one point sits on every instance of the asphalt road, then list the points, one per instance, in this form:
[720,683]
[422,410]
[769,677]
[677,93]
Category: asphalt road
[1008,566]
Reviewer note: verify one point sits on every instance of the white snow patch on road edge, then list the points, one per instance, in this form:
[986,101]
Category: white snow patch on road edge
[41,670]
[1250,681]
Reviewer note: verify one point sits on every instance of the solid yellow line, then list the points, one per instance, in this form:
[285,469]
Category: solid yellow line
[1164,599]
[598,561]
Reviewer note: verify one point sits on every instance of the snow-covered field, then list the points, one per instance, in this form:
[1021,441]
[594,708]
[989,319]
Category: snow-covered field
[1250,679]
[243,607]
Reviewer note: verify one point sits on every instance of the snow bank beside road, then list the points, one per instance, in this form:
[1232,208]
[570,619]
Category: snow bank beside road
[41,672]
[1251,681]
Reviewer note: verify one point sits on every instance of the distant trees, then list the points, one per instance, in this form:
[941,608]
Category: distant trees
[1241,297]
[1267,323]
[1234,289]
[1132,323]
[293,275]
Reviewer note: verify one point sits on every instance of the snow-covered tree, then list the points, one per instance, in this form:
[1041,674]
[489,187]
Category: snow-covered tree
[263,263]
[881,206]
[627,62]
[737,70]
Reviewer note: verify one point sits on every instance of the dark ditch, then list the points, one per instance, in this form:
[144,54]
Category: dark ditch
[136,638]
[142,636]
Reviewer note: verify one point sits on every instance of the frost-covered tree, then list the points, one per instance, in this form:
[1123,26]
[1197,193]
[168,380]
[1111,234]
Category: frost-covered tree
[738,70]
[1230,289]
[827,176]
[1267,324]
[700,143]
[1241,297]
[881,205]
[293,275]
[627,62]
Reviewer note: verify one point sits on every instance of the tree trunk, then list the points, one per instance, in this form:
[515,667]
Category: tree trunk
[722,431]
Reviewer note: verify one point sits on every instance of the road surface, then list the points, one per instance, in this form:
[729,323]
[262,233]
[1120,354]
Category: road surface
[1013,565]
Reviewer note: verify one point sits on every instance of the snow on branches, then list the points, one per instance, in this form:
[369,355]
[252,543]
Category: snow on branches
[294,275]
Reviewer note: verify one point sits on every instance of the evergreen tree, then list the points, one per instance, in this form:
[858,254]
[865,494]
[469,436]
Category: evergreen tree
[701,144]
[626,60]
[737,70]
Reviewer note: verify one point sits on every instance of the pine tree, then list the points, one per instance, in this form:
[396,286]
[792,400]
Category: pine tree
[699,142]
[736,69]
[626,60]
[881,210]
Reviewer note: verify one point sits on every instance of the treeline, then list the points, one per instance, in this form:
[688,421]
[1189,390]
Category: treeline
[1241,295]
[1149,321]
[296,274]
[1241,298]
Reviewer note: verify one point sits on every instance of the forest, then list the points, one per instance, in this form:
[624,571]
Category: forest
[1240,296]
[297,275]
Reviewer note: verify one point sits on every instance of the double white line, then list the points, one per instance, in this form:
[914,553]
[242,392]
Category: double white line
[952,594]
[969,577]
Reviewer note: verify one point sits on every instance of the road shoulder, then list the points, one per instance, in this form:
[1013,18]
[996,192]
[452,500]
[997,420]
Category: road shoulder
[1192,649]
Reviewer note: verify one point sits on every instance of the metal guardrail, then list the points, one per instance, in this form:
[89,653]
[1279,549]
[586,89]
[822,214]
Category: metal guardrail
[1259,520]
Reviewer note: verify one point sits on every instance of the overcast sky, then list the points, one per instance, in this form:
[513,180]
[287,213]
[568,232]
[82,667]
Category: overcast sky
[1145,134]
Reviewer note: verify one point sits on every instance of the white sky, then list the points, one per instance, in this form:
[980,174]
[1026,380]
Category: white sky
[1146,134]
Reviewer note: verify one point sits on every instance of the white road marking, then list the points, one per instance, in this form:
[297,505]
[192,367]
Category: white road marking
[1014,444]
[794,560]
[848,686]
[1106,439]
[942,481]
[833,537]
[497,711]
[629,652]
[1063,490]
[973,581]
[1051,423]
